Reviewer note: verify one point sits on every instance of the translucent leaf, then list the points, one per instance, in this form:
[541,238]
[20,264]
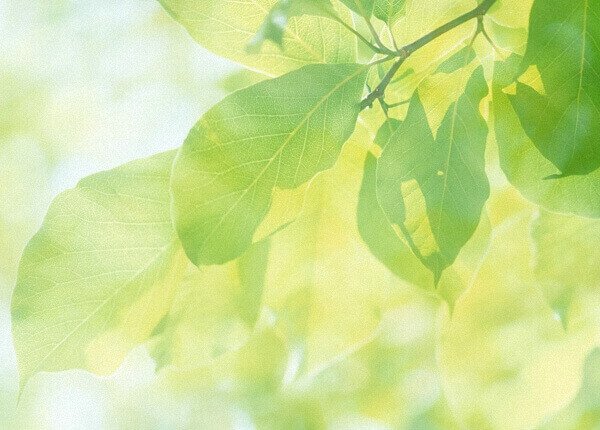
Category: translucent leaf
[100,273]
[569,275]
[504,357]
[457,60]
[274,25]
[527,169]
[363,8]
[416,21]
[584,411]
[324,287]
[394,251]
[241,79]
[564,121]
[277,133]
[421,184]
[225,27]
[507,23]
[214,311]
[388,10]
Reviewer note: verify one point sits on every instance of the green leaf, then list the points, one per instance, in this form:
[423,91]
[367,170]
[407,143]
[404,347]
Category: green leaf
[527,169]
[100,273]
[277,134]
[362,7]
[225,27]
[457,60]
[240,79]
[388,10]
[433,189]
[374,226]
[416,21]
[213,313]
[566,276]
[563,122]
[274,25]
[395,253]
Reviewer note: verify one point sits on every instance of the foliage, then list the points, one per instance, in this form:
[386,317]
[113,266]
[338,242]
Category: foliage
[365,160]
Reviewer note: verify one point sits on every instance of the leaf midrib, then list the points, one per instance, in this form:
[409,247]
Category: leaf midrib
[280,149]
[581,64]
[162,251]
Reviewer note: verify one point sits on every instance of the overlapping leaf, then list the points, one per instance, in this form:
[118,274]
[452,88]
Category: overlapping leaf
[225,27]
[503,346]
[433,189]
[388,10]
[563,122]
[276,134]
[570,279]
[324,287]
[100,273]
[274,25]
[415,21]
[394,251]
[213,313]
[526,168]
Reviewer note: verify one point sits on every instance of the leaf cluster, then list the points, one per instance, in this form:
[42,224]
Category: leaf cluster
[369,157]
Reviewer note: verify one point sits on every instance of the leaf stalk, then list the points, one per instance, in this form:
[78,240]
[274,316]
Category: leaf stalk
[406,51]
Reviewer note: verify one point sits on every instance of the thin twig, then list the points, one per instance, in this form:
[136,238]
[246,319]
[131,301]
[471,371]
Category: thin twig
[376,38]
[403,53]
[355,32]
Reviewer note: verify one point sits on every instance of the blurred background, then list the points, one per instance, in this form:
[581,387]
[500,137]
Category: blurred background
[84,86]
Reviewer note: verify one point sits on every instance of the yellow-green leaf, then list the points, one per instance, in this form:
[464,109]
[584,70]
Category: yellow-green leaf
[100,273]
[526,168]
[567,263]
[225,27]
[323,286]
[277,133]
[213,313]
[274,26]
[563,121]
[433,189]
[388,10]
[505,359]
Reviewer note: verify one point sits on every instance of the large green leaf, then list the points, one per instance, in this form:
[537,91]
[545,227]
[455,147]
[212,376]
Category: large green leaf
[433,189]
[395,252]
[277,134]
[100,273]
[527,169]
[213,313]
[563,122]
[225,27]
